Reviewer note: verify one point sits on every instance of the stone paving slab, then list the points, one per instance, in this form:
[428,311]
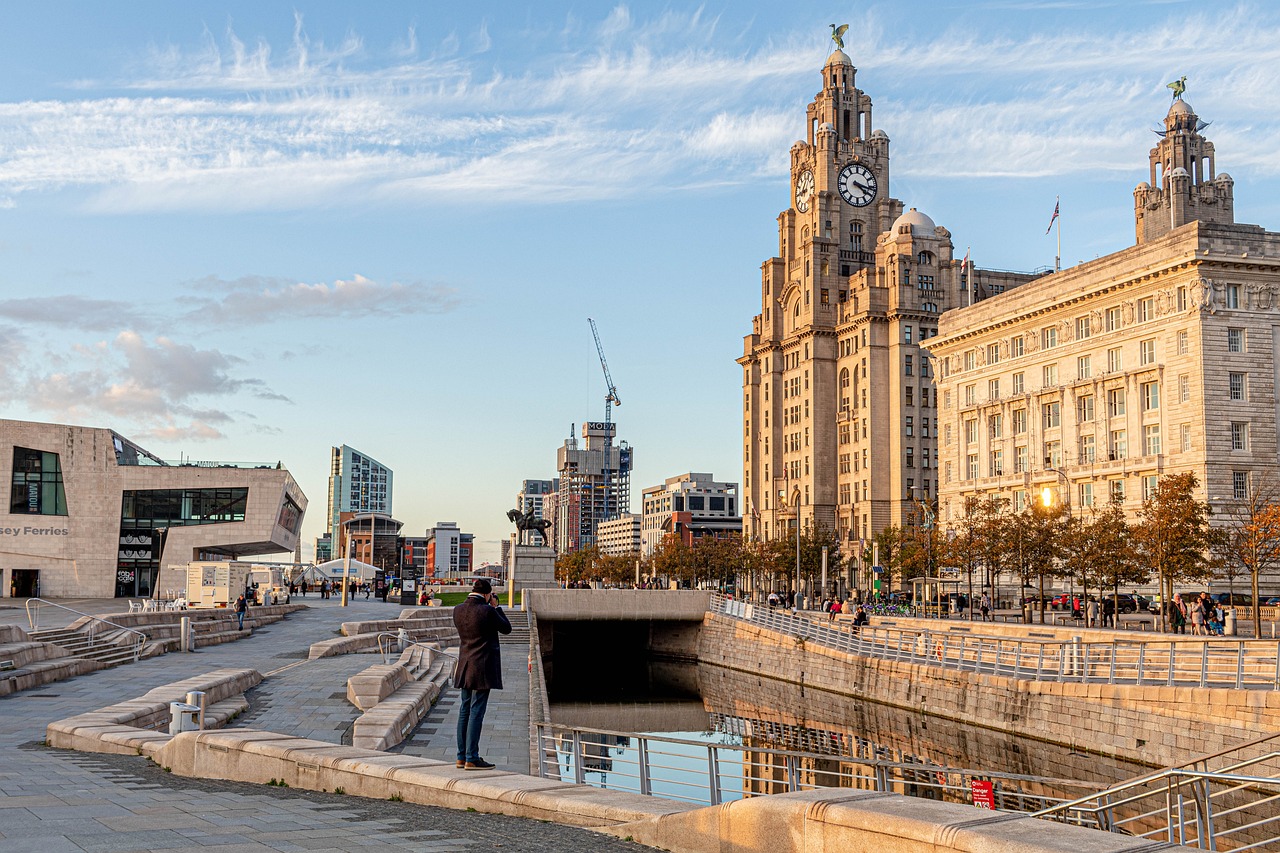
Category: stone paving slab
[53,801]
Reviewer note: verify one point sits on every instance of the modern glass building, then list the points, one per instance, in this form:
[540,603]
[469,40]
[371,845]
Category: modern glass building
[358,483]
[92,514]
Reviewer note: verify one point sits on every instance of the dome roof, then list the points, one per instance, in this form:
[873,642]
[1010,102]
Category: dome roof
[1179,172]
[879,134]
[1180,107]
[920,224]
[1224,178]
[826,126]
[839,57]
[1144,186]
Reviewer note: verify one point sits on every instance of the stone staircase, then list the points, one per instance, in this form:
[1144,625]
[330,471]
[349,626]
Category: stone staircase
[519,635]
[27,662]
[108,649]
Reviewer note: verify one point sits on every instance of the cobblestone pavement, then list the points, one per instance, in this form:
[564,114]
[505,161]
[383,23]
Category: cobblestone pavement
[54,801]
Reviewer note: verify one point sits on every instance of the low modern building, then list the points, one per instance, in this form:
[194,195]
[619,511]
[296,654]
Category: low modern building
[620,535]
[449,551]
[1095,381]
[91,514]
[701,502]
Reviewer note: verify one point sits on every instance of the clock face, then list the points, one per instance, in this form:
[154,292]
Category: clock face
[857,185]
[804,191]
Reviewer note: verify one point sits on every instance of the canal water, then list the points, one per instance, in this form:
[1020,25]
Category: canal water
[714,705]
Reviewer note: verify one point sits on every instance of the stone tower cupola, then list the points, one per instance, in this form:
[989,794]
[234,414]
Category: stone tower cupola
[1184,185]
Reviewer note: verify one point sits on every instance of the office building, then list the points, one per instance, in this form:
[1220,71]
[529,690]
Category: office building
[691,506]
[619,536]
[449,551]
[594,485]
[358,484]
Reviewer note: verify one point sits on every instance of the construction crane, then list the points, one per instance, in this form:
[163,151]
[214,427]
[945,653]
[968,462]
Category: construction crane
[611,399]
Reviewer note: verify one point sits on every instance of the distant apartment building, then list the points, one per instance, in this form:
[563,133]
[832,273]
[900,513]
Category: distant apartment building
[690,505]
[532,498]
[619,536]
[449,551]
[358,483]
[594,485]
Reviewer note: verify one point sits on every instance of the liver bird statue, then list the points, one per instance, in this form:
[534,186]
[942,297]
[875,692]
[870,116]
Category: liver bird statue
[837,34]
[1178,86]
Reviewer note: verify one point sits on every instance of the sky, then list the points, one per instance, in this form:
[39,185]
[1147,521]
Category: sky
[253,231]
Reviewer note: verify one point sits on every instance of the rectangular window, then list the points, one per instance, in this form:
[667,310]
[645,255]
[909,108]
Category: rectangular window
[906,334]
[995,426]
[1240,485]
[910,425]
[1184,388]
[907,365]
[911,457]
[1112,320]
[1184,433]
[1050,375]
[971,466]
[1084,409]
[1050,415]
[1019,421]
[1181,299]
[1151,439]
[1088,452]
[997,463]
[1053,454]
[1020,459]
[971,360]
[1150,396]
[1049,337]
[1237,386]
[910,396]
[1115,360]
[993,389]
[1017,346]
[1239,435]
[37,483]
[1083,328]
[1119,444]
[924,427]
[1235,340]
[970,395]
[1184,343]
[1233,296]
[1147,351]
[1149,484]
[1116,489]
[1082,367]
[1019,383]
[1019,500]
[971,431]
[1115,402]
[1146,309]
[1086,494]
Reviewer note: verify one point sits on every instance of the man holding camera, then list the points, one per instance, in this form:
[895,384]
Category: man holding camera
[479,621]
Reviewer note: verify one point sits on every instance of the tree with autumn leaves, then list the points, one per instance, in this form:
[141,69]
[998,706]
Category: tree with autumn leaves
[1250,540]
[1172,538]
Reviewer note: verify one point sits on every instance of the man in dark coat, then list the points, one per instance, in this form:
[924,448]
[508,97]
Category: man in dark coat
[479,622]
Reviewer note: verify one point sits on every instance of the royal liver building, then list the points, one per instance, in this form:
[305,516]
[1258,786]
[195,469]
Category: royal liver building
[839,404]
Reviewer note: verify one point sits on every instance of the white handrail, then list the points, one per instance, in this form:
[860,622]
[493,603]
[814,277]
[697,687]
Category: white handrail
[33,619]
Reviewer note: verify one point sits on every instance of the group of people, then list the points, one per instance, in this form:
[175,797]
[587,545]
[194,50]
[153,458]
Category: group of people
[1206,616]
[835,607]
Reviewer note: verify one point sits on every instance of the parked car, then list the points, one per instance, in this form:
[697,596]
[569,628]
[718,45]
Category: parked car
[1273,601]
[1239,599]
[1130,603]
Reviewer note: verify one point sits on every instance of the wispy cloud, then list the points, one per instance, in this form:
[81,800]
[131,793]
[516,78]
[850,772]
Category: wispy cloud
[620,106]
[256,300]
[74,312]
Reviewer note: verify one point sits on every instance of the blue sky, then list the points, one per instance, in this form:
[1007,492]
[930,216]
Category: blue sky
[251,231]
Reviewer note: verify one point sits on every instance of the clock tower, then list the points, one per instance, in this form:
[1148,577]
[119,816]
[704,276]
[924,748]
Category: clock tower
[838,421]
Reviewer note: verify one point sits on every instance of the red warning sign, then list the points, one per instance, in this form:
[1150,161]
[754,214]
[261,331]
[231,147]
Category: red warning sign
[984,794]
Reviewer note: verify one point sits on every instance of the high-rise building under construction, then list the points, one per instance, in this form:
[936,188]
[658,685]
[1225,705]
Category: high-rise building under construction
[594,486]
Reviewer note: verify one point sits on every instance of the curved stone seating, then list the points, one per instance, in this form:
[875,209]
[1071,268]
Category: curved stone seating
[363,636]
[395,697]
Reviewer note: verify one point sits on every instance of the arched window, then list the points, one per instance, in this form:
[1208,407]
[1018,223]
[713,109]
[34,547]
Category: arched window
[804,234]
[926,258]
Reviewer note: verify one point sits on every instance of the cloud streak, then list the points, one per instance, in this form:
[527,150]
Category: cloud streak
[648,106]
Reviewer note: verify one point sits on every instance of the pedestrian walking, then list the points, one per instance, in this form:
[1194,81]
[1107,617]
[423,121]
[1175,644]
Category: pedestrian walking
[241,606]
[984,607]
[479,620]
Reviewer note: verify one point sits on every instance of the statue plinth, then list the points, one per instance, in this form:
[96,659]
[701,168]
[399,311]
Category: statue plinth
[531,567]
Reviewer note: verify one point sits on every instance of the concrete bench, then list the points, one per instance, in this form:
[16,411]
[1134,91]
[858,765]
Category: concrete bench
[395,697]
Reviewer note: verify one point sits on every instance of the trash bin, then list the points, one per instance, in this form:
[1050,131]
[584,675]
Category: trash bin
[402,640]
[1229,623]
[183,717]
[1026,613]
[197,698]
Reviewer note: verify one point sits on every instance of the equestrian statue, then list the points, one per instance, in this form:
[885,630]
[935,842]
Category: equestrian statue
[526,522]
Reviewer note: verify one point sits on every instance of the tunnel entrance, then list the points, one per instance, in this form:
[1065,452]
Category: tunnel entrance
[619,661]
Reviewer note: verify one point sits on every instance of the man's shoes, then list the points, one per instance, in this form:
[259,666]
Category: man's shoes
[461,763]
[479,764]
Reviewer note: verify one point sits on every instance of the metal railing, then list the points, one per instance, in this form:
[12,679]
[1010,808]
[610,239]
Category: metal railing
[1195,662]
[94,631]
[388,640]
[711,773]
[1233,807]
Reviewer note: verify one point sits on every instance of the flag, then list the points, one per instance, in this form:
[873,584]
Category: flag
[1054,218]
[964,265]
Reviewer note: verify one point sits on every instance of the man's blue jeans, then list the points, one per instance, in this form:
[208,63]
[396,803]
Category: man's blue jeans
[470,720]
[240,616]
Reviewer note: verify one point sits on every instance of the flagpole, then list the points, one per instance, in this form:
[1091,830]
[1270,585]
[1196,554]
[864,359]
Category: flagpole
[1057,261]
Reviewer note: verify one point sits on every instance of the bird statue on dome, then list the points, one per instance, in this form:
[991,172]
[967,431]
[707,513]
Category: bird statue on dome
[837,35]
[1178,86]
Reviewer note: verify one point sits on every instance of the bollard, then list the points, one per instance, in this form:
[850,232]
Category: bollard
[184,634]
[197,699]
[1229,623]
[402,640]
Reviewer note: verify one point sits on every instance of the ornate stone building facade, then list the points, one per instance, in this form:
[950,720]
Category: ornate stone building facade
[839,404]
[1158,359]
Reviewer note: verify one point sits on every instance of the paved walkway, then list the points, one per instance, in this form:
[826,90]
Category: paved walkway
[54,801]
